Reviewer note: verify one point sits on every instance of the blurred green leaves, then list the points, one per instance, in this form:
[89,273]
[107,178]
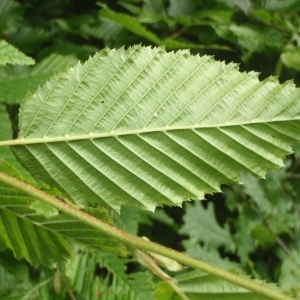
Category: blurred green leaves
[256,226]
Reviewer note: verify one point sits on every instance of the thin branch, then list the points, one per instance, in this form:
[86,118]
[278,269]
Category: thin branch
[139,243]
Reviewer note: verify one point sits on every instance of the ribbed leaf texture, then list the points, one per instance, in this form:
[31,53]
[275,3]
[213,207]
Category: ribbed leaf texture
[11,55]
[80,270]
[116,285]
[198,285]
[24,237]
[144,127]
[130,23]
[38,233]
[136,286]
[26,37]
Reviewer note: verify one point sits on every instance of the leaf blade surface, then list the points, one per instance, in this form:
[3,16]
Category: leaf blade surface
[144,127]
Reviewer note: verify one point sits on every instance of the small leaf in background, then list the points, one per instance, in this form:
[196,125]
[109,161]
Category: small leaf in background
[242,238]
[263,236]
[11,55]
[198,285]
[6,133]
[28,37]
[130,218]
[289,277]
[179,8]
[272,200]
[200,225]
[118,285]
[14,87]
[291,58]
[130,23]
[81,273]
[164,292]
[211,256]
[15,278]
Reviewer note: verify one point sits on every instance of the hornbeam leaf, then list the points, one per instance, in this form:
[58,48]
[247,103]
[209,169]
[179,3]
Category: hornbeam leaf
[144,127]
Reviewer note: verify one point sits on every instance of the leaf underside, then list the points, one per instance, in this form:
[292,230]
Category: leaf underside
[144,127]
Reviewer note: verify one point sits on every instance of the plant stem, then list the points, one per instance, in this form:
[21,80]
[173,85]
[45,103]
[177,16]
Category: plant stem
[139,243]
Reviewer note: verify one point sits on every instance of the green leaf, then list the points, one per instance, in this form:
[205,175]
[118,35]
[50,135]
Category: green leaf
[198,285]
[9,14]
[291,58]
[80,270]
[154,6]
[133,9]
[109,30]
[273,201]
[130,218]
[27,38]
[28,227]
[14,87]
[242,238]
[26,239]
[130,23]
[163,291]
[268,194]
[11,55]
[69,49]
[14,277]
[177,44]
[122,129]
[201,225]
[209,255]
[134,286]
[6,133]
[252,36]
[289,277]
[5,125]
[245,5]
[179,8]
[280,6]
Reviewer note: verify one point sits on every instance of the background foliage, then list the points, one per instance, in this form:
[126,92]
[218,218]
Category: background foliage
[252,229]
